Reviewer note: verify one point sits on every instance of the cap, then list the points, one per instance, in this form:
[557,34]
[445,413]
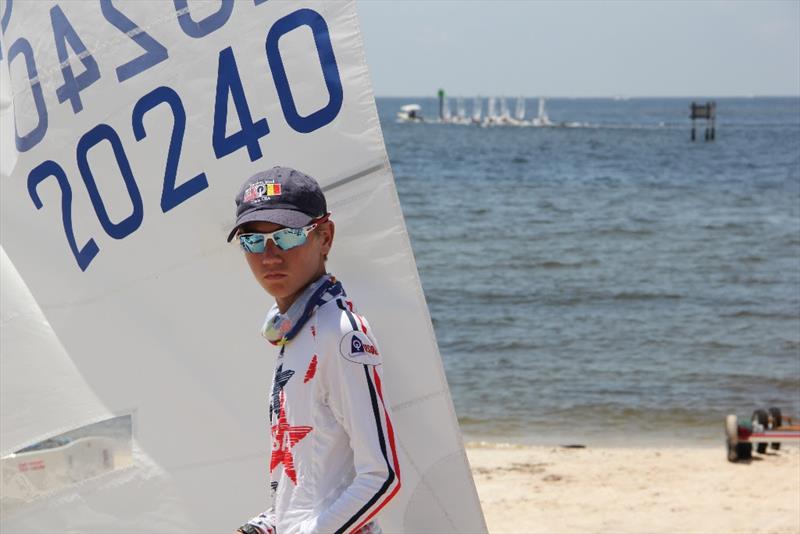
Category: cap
[280,195]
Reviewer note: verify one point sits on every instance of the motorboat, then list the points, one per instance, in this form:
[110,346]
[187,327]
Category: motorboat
[410,113]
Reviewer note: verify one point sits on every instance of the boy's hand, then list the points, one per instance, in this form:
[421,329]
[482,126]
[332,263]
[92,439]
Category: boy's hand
[268,530]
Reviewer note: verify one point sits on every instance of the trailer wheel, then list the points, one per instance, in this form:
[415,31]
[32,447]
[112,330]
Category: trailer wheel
[733,454]
[739,451]
[744,450]
[777,420]
[732,429]
[761,417]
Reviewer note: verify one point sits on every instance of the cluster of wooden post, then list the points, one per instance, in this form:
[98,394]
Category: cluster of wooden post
[706,111]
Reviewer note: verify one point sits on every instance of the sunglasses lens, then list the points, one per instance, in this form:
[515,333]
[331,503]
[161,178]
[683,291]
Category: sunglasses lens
[253,243]
[285,239]
[288,238]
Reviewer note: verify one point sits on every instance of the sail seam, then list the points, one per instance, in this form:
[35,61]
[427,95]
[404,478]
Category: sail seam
[354,177]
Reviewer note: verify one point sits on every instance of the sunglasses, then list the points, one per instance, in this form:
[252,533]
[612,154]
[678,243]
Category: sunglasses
[284,239]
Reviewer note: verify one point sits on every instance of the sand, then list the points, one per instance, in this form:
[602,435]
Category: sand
[635,490]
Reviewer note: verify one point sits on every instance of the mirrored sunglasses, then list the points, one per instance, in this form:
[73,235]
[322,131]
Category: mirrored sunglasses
[284,239]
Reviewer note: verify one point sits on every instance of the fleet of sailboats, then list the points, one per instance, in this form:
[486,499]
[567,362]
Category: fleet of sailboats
[498,113]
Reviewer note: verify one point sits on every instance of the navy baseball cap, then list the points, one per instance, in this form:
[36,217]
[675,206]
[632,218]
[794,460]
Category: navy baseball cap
[280,195]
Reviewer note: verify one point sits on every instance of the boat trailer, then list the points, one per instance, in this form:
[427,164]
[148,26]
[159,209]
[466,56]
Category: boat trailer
[765,427]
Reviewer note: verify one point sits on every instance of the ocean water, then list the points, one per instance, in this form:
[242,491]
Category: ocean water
[611,283]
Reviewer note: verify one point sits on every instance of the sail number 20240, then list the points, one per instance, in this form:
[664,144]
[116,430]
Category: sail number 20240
[175,191]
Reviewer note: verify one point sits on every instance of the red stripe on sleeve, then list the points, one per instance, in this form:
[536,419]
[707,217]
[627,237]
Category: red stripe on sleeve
[389,428]
[395,461]
[363,326]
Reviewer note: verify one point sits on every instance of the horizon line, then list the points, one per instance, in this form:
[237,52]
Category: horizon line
[615,96]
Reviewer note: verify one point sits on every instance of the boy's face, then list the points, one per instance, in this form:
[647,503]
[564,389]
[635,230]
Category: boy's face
[284,274]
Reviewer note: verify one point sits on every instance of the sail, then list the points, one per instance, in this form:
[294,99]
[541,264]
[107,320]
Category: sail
[504,113]
[477,108]
[542,119]
[133,126]
[519,112]
[41,389]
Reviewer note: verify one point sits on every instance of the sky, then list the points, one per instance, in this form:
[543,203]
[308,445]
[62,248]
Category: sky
[582,49]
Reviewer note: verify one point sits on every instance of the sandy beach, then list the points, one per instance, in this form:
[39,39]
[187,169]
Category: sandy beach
[635,490]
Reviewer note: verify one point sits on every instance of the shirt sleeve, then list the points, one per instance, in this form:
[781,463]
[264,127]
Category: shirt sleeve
[354,380]
[265,522]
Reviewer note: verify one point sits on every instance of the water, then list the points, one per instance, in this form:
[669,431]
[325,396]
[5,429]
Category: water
[614,283]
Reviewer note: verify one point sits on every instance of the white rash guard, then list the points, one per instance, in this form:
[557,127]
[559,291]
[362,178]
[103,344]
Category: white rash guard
[334,461]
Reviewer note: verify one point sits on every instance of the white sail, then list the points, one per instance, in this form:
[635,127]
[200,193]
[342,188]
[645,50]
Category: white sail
[446,113]
[504,113]
[491,111]
[519,112]
[542,119]
[477,108]
[42,393]
[126,187]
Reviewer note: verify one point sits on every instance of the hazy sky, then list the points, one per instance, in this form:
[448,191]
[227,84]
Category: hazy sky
[572,48]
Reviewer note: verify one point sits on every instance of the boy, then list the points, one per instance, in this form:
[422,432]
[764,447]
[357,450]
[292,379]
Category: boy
[333,465]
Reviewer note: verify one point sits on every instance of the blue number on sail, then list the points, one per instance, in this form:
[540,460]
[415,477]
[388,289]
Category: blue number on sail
[104,132]
[171,196]
[89,250]
[330,71]
[209,24]
[33,137]
[230,83]
[64,33]
[154,53]
[4,21]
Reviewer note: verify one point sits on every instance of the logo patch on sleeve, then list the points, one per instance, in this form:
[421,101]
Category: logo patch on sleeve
[358,348]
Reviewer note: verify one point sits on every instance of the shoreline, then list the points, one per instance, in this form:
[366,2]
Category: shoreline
[596,442]
[686,489]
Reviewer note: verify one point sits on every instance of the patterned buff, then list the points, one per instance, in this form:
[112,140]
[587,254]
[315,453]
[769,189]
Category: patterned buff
[280,328]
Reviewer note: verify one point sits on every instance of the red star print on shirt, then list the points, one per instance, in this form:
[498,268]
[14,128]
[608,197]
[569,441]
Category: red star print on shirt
[284,437]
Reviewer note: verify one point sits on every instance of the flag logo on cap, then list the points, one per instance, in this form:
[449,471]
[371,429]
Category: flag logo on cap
[262,190]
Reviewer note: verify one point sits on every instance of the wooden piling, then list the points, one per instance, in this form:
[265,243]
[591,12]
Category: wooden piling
[707,111]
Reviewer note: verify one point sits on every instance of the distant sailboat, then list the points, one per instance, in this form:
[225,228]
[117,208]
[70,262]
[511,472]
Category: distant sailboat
[491,112]
[446,114]
[498,113]
[461,112]
[477,108]
[542,119]
[519,112]
[505,114]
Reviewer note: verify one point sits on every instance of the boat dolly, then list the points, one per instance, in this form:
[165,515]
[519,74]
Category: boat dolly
[765,427]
